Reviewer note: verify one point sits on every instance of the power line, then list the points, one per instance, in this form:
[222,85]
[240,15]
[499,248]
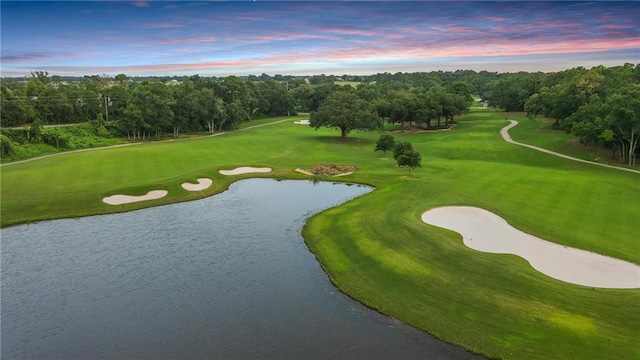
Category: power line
[52,100]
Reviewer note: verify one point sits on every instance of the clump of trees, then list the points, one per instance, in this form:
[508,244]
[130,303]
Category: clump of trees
[403,152]
[600,106]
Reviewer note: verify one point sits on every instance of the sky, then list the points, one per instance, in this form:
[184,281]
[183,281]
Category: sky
[167,38]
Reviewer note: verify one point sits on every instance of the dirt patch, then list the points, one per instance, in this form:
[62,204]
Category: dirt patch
[329,170]
[419,130]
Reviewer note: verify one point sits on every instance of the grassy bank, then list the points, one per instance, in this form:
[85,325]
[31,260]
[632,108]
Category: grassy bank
[377,249]
[54,139]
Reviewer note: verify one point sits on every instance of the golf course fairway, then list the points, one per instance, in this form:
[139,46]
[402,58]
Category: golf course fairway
[377,249]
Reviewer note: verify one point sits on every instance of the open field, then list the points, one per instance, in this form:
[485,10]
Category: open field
[350,83]
[377,249]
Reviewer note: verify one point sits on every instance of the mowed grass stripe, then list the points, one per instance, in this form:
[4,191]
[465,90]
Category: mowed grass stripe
[377,249]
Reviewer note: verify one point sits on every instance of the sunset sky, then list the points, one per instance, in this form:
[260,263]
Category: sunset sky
[314,37]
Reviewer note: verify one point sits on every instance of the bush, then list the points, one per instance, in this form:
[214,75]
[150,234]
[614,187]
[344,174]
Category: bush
[55,139]
[16,135]
[385,143]
[35,132]
[6,146]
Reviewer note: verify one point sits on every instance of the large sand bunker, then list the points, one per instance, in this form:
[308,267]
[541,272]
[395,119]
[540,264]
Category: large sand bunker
[126,199]
[245,170]
[202,184]
[302,122]
[484,231]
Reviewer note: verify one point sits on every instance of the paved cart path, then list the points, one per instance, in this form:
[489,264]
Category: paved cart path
[505,135]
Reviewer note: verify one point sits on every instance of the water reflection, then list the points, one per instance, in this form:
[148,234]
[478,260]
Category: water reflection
[222,277]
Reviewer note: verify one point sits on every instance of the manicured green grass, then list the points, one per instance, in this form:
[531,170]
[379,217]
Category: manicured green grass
[377,249]
[350,83]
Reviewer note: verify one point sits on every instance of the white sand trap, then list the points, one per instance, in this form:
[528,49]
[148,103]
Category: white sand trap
[202,184]
[245,170]
[126,199]
[302,122]
[303,171]
[485,231]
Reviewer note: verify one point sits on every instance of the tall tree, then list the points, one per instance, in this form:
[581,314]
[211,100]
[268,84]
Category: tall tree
[15,108]
[345,111]
[624,120]
[276,98]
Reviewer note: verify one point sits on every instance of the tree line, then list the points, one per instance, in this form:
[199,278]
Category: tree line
[150,108]
[143,109]
[598,105]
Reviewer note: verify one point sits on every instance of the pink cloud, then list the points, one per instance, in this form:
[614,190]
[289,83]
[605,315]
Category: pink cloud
[494,18]
[141,4]
[381,51]
[166,25]
[189,40]
[616,27]
[347,31]
[459,30]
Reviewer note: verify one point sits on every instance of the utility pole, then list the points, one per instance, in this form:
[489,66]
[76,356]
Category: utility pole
[106,108]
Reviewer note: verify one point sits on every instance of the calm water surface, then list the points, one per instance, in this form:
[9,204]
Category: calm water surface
[223,277]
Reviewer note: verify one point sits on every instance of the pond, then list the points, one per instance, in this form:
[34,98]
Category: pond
[227,276]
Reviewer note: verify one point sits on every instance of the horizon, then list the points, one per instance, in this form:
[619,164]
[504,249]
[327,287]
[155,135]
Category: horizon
[293,38]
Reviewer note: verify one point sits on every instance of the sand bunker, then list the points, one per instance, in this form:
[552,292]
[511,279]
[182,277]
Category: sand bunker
[245,170]
[202,184]
[484,231]
[126,199]
[302,122]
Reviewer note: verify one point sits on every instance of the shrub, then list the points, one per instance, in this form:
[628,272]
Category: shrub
[6,146]
[385,143]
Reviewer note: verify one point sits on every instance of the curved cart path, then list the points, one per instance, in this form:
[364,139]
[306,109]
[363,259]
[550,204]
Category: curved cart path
[505,135]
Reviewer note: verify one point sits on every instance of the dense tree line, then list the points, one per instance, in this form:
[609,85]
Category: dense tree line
[598,105]
[149,108]
[143,109]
